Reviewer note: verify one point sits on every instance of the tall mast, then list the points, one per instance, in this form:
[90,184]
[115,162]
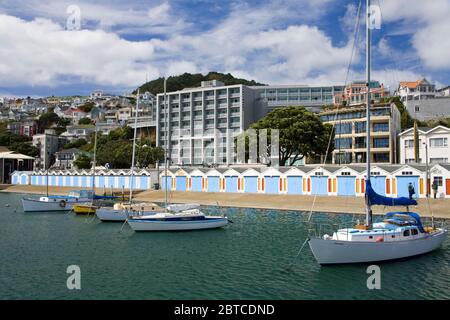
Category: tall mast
[166,118]
[94,162]
[368,46]
[134,146]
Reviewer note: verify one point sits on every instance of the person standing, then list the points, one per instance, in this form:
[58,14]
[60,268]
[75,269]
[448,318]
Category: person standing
[411,190]
[434,186]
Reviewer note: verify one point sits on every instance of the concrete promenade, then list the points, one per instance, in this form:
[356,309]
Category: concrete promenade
[352,205]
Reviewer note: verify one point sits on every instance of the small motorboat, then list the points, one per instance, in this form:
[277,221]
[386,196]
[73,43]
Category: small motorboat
[57,203]
[186,220]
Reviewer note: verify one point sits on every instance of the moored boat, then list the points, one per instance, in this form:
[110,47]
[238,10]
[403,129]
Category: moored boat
[121,211]
[56,203]
[183,221]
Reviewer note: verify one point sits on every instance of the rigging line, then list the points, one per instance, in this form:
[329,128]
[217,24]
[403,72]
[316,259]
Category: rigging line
[355,38]
[296,256]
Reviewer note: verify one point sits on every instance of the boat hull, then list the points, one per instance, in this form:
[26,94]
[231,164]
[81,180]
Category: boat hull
[84,209]
[146,225]
[344,252]
[109,214]
[32,205]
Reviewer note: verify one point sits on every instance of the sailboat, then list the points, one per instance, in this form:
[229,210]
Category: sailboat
[121,211]
[89,207]
[176,217]
[399,235]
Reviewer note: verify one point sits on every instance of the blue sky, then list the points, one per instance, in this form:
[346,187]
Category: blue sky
[120,44]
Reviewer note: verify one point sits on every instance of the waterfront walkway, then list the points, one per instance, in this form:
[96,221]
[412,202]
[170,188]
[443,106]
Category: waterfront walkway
[332,204]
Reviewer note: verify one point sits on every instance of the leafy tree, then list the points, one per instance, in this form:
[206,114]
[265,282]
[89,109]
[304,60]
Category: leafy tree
[46,120]
[75,144]
[147,154]
[83,161]
[17,143]
[302,134]
[115,152]
[87,107]
[85,121]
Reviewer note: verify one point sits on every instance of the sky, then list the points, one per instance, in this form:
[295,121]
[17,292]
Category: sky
[72,47]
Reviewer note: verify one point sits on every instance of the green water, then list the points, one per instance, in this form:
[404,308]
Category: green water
[246,260]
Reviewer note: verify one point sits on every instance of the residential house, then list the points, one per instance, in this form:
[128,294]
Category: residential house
[65,158]
[436,140]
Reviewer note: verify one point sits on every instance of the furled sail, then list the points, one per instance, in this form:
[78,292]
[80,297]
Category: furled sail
[377,199]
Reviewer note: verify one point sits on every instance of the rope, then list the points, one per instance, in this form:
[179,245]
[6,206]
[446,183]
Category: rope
[355,38]
[296,256]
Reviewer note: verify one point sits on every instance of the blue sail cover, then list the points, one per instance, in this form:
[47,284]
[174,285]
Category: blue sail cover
[376,199]
[413,215]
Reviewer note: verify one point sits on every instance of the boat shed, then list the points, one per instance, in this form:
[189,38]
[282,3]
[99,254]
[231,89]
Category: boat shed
[252,181]
[294,180]
[441,174]
[198,179]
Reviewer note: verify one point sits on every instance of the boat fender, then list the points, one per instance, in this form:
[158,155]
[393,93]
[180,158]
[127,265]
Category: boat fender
[62,203]
[379,239]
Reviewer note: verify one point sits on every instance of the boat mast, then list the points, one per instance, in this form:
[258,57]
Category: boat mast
[94,163]
[134,146]
[166,115]
[368,45]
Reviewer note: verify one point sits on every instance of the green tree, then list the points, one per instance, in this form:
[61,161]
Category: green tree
[147,154]
[46,120]
[75,144]
[87,107]
[85,121]
[302,134]
[115,152]
[83,161]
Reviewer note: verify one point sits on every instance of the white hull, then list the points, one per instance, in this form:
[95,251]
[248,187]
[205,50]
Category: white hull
[110,214]
[32,205]
[339,252]
[209,223]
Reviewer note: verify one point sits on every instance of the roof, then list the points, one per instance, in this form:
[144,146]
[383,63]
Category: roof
[412,84]
[71,150]
[13,155]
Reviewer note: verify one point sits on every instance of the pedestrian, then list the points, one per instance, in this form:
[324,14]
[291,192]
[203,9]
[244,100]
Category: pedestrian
[434,186]
[411,190]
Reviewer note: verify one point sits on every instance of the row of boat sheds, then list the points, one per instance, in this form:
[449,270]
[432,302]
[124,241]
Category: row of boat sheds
[329,180]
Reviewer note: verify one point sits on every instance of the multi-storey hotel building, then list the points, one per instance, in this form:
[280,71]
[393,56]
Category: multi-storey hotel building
[350,133]
[201,123]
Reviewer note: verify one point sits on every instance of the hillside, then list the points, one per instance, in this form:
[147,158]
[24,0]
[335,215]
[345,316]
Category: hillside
[188,80]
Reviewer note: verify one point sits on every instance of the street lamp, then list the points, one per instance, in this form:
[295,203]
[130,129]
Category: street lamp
[426,168]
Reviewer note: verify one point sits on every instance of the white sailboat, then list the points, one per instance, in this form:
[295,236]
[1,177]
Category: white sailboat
[400,235]
[177,217]
[121,211]
[56,203]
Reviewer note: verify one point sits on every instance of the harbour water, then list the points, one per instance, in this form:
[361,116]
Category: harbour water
[248,259]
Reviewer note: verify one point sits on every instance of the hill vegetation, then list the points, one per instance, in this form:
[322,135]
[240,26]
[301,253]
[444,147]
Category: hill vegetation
[188,80]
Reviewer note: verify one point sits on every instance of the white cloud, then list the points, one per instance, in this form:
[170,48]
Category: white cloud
[41,52]
[429,25]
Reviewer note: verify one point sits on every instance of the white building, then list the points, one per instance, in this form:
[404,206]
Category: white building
[78,132]
[422,101]
[202,122]
[48,143]
[437,140]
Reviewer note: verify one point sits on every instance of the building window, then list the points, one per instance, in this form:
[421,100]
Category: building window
[438,160]
[344,143]
[438,181]
[380,127]
[438,142]
[360,127]
[381,143]
[344,128]
[381,157]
